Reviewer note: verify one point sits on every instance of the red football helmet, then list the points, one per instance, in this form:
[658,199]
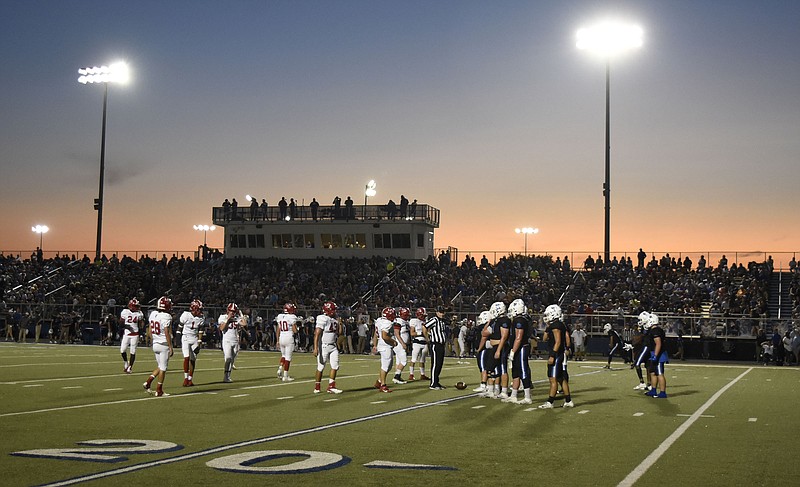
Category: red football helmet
[329,308]
[422,313]
[196,306]
[389,314]
[133,304]
[289,308]
[164,304]
[404,313]
[232,308]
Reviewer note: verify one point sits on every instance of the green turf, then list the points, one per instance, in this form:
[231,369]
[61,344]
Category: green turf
[54,396]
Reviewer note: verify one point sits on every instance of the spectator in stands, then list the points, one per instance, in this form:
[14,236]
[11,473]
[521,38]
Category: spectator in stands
[264,209]
[412,210]
[282,207]
[314,205]
[254,209]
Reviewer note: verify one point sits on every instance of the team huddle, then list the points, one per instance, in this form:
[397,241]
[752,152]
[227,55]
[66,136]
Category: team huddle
[507,334]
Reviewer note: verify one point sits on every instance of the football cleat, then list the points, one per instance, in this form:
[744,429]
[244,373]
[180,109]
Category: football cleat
[147,388]
[227,380]
[651,393]
[511,399]
[547,405]
[568,404]
[410,377]
[526,401]
[127,369]
[424,377]
[383,388]
[333,390]
[317,391]
[190,384]
[640,387]
[280,372]
[161,394]
[436,388]
[480,388]
[185,382]
[378,384]
[662,395]
[287,379]
[398,381]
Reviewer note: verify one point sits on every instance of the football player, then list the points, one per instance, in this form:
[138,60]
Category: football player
[502,346]
[131,320]
[383,343]
[287,328]
[520,352]
[191,323]
[482,321]
[402,337]
[228,324]
[327,329]
[419,346]
[614,343]
[641,352]
[160,333]
[556,338]
[656,339]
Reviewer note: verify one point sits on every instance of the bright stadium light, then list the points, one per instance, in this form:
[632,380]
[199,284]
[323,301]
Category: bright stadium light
[41,230]
[609,39]
[205,229]
[369,190]
[525,231]
[114,73]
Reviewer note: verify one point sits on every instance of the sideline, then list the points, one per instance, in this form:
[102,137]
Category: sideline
[651,459]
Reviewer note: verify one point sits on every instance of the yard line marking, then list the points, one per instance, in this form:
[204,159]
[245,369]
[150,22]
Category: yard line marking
[243,444]
[72,387]
[530,409]
[752,420]
[242,395]
[583,411]
[330,400]
[33,385]
[651,459]
[702,415]
[638,414]
[113,389]
[478,407]
[379,402]
[285,397]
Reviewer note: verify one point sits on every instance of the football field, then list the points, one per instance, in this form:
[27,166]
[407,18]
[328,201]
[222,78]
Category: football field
[69,415]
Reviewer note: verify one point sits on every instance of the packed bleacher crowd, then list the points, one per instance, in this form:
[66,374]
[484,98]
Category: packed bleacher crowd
[665,286]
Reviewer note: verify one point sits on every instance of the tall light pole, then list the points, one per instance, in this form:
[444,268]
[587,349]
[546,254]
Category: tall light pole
[526,231]
[205,229]
[114,73]
[609,39]
[369,190]
[41,230]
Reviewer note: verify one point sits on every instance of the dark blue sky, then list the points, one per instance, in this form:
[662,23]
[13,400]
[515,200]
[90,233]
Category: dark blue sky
[485,110]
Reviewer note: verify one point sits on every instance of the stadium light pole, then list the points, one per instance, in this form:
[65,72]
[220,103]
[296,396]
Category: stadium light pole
[41,230]
[114,73]
[609,39]
[205,229]
[369,190]
[525,232]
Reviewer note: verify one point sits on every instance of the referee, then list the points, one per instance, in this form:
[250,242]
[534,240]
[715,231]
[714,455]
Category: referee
[434,332]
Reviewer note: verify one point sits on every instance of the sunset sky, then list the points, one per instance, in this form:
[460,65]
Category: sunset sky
[485,110]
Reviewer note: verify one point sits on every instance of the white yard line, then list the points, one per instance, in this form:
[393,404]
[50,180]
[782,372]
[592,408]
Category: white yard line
[651,459]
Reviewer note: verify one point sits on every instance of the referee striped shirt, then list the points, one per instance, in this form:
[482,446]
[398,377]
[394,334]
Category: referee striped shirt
[436,327]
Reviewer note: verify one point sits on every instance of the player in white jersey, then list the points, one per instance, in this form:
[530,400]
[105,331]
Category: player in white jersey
[229,324]
[383,343]
[161,335]
[191,336]
[327,329]
[419,346]
[287,328]
[402,337]
[131,320]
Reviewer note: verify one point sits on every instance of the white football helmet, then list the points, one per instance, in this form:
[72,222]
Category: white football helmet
[484,318]
[653,321]
[553,313]
[607,328]
[497,309]
[644,317]
[517,308]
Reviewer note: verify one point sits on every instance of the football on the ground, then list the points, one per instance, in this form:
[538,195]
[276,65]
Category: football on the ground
[460,386]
